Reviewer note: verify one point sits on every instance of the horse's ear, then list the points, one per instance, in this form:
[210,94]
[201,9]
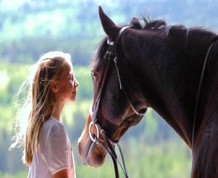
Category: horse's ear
[108,25]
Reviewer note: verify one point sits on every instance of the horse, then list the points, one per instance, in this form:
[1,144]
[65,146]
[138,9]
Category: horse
[172,69]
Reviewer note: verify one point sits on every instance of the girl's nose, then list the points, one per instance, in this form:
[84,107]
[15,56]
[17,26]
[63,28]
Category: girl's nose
[76,83]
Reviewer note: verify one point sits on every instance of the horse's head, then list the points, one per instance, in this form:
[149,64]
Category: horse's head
[118,102]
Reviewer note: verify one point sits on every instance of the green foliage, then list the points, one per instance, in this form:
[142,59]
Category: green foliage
[166,159]
[11,77]
[151,126]
[83,76]
[21,174]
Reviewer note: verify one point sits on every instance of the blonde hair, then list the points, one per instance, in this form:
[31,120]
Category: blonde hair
[38,103]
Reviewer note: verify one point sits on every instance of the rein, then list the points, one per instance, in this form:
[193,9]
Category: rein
[108,145]
[199,89]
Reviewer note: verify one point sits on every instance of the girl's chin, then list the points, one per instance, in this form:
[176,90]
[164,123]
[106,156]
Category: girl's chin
[73,98]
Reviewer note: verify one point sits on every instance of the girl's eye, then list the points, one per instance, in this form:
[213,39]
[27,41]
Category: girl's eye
[71,77]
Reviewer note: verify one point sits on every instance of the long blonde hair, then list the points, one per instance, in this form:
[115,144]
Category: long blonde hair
[38,104]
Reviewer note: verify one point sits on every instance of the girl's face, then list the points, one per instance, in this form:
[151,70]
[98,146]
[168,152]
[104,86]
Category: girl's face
[66,86]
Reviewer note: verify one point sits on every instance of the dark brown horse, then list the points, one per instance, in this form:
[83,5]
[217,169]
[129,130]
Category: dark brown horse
[172,69]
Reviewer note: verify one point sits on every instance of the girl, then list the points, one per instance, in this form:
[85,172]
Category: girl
[47,148]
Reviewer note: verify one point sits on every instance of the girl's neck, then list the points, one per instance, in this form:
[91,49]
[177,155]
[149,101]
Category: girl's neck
[58,110]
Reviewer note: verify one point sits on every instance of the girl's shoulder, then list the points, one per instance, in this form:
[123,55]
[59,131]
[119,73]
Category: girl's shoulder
[52,127]
[52,122]
[53,136]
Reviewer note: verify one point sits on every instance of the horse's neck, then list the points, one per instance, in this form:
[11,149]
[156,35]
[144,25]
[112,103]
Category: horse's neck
[175,79]
[208,99]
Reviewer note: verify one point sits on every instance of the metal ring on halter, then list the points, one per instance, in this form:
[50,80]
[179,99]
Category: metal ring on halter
[94,138]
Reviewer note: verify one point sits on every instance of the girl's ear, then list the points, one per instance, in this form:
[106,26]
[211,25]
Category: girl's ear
[54,87]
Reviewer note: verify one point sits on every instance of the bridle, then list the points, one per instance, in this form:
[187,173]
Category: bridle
[108,145]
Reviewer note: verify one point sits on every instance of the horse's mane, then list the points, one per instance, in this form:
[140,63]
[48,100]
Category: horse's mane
[146,23]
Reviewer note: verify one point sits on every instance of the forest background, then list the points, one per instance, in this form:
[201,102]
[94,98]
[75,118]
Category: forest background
[29,28]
